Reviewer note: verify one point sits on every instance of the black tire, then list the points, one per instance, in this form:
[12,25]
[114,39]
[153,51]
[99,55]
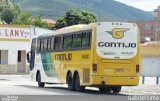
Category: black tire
[116,89]
[70,82]
[77,84]
[105,89]
[40,84]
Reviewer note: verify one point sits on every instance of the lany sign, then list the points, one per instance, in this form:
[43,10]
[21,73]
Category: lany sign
[15,33]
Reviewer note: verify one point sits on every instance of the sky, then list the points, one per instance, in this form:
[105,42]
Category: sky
[146,5]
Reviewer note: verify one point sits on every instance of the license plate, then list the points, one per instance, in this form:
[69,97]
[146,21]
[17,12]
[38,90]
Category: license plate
[119,70]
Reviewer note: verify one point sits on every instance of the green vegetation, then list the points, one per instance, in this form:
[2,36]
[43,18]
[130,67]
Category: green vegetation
[105,10]
[74,17]
[11,14]
[26,18]
[8,11]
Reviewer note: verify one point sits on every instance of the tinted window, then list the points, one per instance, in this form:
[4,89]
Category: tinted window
[57,43]
[86,39]
[67,42]
[38,45]
[41,45]
[77,39]
[45,44]
[52,43]
[48,44]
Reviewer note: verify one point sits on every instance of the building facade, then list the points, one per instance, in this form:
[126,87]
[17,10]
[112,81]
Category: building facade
[157,19]
[147,29]
[150,59]
[15,42]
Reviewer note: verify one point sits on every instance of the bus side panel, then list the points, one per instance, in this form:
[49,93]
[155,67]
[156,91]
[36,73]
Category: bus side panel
[72,61]
[45,65]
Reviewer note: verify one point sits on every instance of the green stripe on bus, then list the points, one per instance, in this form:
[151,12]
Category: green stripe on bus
[48,64]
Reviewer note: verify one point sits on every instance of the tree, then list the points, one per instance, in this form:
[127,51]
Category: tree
[8,11]
[74,17]
[26,18]
[7,15]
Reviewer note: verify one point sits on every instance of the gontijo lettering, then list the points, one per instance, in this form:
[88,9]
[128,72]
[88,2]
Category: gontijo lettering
[117,44]
[63,56]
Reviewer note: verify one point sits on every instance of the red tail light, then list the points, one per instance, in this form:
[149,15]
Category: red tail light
[94,68]
[137,68]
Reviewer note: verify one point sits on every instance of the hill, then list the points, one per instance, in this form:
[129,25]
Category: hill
[104,9]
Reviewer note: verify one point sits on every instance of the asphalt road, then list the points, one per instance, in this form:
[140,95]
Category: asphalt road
[20,88]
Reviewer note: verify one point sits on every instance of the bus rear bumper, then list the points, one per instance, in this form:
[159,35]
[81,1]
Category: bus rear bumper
[114,81]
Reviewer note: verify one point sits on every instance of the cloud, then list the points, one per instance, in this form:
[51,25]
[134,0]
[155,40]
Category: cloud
[147,5]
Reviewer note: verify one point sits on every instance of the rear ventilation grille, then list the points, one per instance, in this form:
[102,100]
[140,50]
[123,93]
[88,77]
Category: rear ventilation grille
[86,74]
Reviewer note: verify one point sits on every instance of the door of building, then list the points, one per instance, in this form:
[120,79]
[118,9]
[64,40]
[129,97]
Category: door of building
[21,61]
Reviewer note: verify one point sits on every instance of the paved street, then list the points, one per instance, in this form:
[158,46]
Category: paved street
[22,85]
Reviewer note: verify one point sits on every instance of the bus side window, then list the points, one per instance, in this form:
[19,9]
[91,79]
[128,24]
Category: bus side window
[33,46]
[67,42]
[77,38]
[38,45]
[86,40]
[89,39]
[48,44]
[52,44]
[41,45]
[45,44]
[57,43]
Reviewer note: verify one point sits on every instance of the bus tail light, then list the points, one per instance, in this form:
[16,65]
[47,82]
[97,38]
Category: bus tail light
[137,68]
[94,68]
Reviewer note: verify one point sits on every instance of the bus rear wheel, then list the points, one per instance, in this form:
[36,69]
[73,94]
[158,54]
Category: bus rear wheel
[40,84]
[116,89]
[77,84]
[70,82]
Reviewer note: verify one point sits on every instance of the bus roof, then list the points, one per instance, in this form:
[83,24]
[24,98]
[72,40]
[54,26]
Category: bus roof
[70,29]
[79,27]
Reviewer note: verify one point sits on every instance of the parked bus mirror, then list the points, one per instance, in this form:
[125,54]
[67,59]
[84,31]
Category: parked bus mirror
[28,57]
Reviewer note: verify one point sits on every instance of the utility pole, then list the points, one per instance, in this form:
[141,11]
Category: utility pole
[156,17]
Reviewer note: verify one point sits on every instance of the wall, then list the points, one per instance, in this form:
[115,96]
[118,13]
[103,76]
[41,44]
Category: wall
[150,60]
[146,29]
[150,51]
[8,69]
[4,56]
[12,43]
